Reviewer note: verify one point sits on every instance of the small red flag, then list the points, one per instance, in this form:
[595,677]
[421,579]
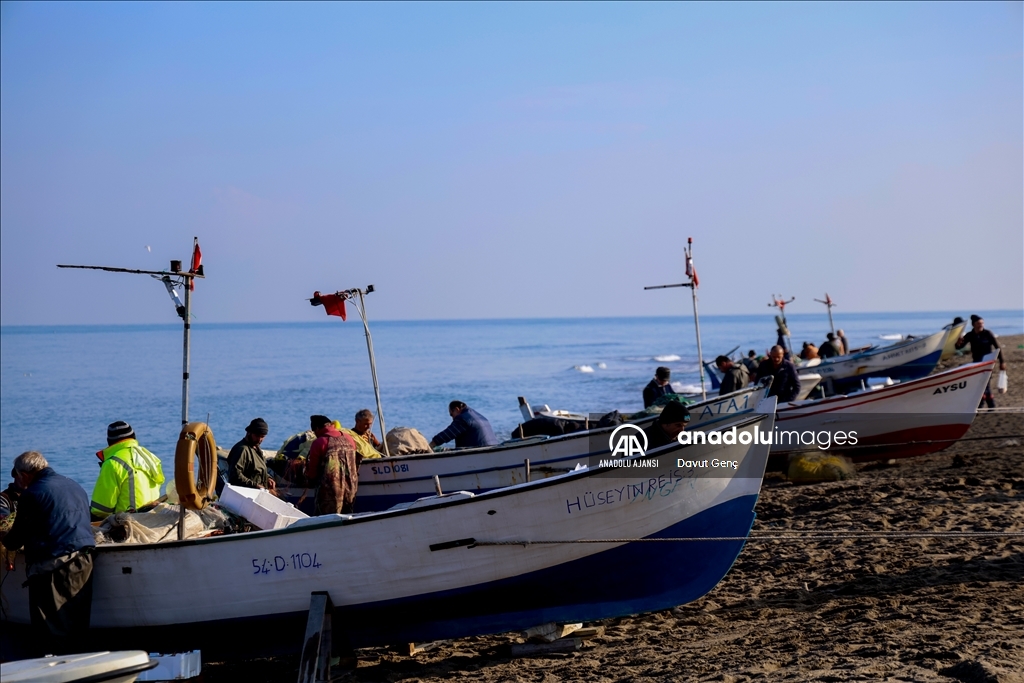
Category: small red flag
[332,303]
[691,272]
[197,259]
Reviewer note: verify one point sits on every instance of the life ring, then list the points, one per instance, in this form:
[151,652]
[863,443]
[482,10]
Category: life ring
[194,493]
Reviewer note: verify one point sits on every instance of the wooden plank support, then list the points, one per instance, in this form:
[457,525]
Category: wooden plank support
[532,649]
[417,648]
[549,632]
[315,665]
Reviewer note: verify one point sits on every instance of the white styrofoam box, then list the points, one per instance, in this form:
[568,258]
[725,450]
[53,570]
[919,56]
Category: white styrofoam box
[263,509]
[174,667]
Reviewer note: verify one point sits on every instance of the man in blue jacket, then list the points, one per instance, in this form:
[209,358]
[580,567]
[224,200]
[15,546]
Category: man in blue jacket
[52,524]
[469,428]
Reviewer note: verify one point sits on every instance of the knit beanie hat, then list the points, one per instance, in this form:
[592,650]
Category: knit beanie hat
[119,431]
[673,412]
[318,421]
[258,427]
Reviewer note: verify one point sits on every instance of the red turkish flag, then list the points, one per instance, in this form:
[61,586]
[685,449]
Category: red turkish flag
[197,259]
[333,304]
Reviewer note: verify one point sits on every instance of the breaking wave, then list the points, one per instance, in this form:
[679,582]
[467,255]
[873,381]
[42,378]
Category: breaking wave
[891,337]
[582,368]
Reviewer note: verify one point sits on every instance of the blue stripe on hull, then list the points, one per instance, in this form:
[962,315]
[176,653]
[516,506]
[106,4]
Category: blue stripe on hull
[630,579]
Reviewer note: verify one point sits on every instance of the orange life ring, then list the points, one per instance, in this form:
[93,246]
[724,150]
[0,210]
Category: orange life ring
[194,493]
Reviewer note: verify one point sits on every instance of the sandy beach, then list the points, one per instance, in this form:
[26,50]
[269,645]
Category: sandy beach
[878,609]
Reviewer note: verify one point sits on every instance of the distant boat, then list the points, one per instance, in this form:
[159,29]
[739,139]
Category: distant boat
[906,360]
[955,332]
[445,567]
[896,421]
[809,381]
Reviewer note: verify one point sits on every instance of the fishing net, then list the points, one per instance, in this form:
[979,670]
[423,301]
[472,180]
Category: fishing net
[161,525]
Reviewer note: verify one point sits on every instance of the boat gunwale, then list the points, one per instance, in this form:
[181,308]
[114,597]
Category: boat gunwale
[337,521]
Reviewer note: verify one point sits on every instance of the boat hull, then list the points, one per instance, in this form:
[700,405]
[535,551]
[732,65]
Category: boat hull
[897,421]
[402,576]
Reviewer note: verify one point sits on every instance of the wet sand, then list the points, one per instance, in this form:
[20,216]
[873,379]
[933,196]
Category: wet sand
[879,609]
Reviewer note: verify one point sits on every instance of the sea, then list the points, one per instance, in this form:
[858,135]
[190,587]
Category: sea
[61,385]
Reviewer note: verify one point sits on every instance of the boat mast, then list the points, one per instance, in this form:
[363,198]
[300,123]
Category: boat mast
[693,283]
[171,279]
[351,295]
[828,304]
[779,303]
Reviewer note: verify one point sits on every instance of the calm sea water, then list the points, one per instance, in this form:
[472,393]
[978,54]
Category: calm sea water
[61,386]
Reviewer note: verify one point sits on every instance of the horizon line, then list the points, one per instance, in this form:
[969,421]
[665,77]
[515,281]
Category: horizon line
[326,319]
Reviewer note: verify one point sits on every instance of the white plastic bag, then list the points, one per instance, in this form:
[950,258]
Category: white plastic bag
[1001,383]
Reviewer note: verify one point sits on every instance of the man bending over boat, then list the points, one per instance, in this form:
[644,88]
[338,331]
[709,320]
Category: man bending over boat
[734,376]
[982,342]
[52,524]
[658,387]
[332,467]
[785,382]
[666,428]
[130,476]
[469,428]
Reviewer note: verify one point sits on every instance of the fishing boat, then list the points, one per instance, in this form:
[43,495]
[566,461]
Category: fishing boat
[386,482]
[906,360]
[809,381]
[895,421]
[956,330]
[571,548]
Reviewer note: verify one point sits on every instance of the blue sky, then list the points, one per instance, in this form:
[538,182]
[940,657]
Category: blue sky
[510,160]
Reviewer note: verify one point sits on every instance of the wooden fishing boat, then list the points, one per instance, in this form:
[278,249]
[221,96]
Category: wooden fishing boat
[906,360]
[949,346]
[447,566]
[386,482]
[896,421]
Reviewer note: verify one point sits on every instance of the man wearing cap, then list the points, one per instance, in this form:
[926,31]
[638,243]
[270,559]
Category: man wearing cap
[332,467]
[982,342]
[734,376]
[658,387]
[130,476]
[52,524]
[666,428]
[246,464]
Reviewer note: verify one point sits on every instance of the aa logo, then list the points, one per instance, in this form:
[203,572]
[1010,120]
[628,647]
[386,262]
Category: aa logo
[625,441]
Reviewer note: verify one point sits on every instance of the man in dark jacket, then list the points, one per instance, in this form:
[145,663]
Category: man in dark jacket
[734,376]
[658,387]
[982,342]
[246,464]
[831,347]
[52,524]
[469,428]
[785,382]
[667,427]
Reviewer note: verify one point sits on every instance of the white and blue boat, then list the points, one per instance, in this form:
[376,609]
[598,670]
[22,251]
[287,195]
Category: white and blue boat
[386,482]
[570,548]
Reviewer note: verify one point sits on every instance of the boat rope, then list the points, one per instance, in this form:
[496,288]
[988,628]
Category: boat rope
[756,536]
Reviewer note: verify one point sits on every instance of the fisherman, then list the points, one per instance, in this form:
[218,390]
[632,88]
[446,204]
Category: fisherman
[734,377]
[982,342]
[364,428]
[332,467]
[831,347]
[130,476]
[52,524]
[809,351]
[9,497]
[669,424]
[247,466]
[658,387]
[469,428]
[785,381]
[841,338]
[751,362]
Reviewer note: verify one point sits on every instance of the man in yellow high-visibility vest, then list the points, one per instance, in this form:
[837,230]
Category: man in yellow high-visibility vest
[130,476]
